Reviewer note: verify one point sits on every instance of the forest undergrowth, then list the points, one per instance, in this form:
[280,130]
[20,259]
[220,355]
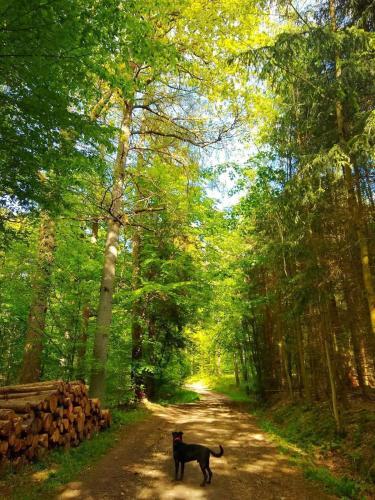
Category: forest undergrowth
[306,434]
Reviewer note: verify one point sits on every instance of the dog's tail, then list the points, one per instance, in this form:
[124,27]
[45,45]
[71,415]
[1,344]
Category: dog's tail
[217,455]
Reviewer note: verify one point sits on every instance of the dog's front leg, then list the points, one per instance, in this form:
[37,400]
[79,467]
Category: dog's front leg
[182,470]
[176,464]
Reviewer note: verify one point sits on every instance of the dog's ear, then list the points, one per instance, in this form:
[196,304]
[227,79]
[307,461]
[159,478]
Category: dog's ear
[180,433]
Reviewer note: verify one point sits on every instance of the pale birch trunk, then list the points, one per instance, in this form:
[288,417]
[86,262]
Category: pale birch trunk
[104,317]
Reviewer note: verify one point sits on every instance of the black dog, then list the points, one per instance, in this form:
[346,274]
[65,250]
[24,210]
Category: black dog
[183,453]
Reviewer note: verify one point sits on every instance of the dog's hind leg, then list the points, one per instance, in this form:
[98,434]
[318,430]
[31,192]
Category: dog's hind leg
[207,467]
[203,469]
[176,464]
[209,474]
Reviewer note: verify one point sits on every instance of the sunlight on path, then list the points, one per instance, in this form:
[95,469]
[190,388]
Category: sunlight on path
[199,387]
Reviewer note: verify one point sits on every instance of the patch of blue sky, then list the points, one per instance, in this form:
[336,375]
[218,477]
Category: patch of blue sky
[223,190]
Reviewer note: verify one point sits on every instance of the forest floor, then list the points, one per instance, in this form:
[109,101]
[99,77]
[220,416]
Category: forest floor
[140,466]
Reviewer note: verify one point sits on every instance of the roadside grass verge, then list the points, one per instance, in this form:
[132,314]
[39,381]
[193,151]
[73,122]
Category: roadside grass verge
[305,434]
[343,487]
[303,453]
[176,395]
[225,385]
[181,396]
[42,479]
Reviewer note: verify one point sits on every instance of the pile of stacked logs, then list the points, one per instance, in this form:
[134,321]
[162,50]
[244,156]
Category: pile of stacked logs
[43,415]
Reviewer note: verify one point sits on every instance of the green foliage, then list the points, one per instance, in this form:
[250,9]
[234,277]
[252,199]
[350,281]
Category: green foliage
[43,90]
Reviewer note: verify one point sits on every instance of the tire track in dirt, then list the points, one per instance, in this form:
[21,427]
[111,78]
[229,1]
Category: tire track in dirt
[141,466]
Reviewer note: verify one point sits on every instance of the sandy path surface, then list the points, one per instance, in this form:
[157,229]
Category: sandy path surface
[140,466]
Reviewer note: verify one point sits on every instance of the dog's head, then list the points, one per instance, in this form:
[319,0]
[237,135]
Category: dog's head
[177,436]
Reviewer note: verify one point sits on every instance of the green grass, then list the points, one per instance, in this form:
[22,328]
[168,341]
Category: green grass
[225,385]
[178,396]
[343,487]
[307,426]
[42,479]
[237,394]
[300,454]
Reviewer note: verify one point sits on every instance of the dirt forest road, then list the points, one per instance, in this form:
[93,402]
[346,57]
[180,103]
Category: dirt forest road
[140,466]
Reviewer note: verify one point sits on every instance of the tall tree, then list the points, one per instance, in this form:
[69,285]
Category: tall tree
[32,358]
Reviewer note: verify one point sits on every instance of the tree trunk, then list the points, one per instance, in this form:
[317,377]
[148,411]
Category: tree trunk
[137,329]
[236,372]
[335,407]
[104,318]
[285,365]
[332,375]
[218,363]
[82,347]
[354,210]
[305,385]
[352,323]
[340,347]
[87,313]
[32,356]
[245,371]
